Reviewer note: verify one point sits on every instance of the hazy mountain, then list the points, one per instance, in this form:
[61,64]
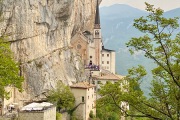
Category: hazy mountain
[120,11]
[173,13]
[117,29]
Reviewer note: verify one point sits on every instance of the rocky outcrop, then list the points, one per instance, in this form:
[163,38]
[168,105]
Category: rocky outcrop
[40,33]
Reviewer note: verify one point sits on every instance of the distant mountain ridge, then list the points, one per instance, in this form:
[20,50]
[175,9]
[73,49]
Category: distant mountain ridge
[121,10]
[173,13]
[117,29]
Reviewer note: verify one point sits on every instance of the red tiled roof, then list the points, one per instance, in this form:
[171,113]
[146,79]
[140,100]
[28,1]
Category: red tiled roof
[83,85]
[109,77]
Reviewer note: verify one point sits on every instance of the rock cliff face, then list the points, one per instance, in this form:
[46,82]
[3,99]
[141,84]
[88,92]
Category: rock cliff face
[40,33]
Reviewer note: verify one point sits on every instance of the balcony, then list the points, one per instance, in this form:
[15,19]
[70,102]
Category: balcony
[92,67]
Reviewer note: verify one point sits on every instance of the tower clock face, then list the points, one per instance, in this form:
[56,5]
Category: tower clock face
[79,46]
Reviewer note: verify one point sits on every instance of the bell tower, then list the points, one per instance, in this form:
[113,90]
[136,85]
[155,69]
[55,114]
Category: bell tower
[97,36]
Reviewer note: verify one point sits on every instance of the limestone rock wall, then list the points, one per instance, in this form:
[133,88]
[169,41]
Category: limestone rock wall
[40,33]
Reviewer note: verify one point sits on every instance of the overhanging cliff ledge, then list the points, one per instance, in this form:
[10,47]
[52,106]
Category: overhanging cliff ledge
[40,34]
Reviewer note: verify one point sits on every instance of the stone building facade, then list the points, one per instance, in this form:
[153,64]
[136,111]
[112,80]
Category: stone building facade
[90,47]
[38,111]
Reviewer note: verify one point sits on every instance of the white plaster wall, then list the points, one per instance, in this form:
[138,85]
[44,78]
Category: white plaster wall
[90,103]
[105,59]
[82,112]
[113,62]
[8,101]
[78,93]
[111,59]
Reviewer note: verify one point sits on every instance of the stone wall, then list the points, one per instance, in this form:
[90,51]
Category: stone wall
[49,114]
[40,32]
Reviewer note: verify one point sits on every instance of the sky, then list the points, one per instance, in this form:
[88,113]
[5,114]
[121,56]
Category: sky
[163,4]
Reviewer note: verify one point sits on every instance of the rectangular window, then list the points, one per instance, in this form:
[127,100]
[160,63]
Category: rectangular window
[102,55]
[99,82]
[82,98]
[107,62]
[90,56]
[102,62]
[107,55]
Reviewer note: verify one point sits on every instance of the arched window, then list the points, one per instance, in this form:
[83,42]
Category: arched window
[79,46]
[97,33]
[90,63]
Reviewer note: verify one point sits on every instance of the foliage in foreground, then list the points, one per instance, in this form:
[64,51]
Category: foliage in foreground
[159,45]
[62,97]
[58,116]
[105,109]
[9,69]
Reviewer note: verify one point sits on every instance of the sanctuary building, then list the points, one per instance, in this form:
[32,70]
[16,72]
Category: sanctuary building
[91,49]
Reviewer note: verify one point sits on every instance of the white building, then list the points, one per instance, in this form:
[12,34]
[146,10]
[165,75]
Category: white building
[107,76]
[104,78]
[8,104]
[85,97]
[108,59]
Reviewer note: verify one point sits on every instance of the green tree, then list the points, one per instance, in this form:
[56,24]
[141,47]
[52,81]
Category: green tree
[58,116]
[91,115]
[163,47]
[62,97]
[105,109]
[9,69]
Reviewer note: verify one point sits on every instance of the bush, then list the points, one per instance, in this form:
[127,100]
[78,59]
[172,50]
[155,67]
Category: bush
[91,115]
[58,116]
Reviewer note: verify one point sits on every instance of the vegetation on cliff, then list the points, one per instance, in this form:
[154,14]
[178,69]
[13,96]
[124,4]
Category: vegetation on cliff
[9,69]
[163,47]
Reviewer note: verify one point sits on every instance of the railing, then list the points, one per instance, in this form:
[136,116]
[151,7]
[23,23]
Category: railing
[92,67]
